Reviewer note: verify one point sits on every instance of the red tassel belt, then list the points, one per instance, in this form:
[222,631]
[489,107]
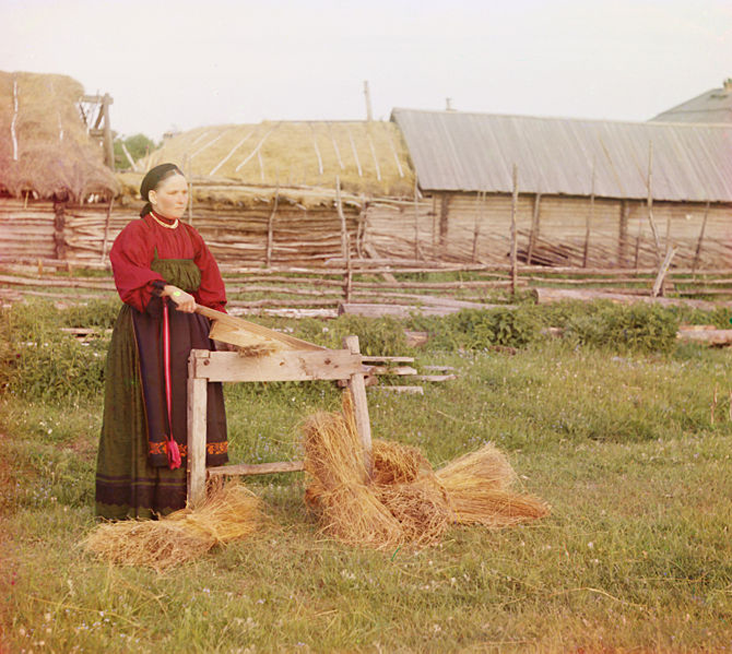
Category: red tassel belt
[172,449]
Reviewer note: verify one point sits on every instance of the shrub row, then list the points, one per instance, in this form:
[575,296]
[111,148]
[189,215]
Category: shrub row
[40,361]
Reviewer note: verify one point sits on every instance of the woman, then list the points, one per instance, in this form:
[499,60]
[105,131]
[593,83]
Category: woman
[162,268]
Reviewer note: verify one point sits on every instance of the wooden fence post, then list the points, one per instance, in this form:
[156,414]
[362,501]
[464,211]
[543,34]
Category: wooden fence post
[270,227]
[623,233]
[534,233]
[697,253]
[656,240]
[106,230]
[417,249]
[590,218]
[345,244]
[663,271]
[514,231]
[479,201]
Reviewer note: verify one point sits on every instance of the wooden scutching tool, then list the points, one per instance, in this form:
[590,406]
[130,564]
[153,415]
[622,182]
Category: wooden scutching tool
[264,355]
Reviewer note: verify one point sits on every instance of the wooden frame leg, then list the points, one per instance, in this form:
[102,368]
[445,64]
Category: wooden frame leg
[357,386]
[197,410]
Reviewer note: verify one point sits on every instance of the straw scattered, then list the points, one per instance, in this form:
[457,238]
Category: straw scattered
[404,500]
[229,513]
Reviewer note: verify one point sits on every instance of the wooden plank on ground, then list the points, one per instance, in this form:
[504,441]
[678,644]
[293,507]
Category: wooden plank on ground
[706,336]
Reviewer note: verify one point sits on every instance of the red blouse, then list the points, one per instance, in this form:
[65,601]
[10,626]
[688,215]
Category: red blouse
[134,250]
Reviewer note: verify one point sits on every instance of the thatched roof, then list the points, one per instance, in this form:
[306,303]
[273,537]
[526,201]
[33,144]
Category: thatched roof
[228,193]
[369,157]
[44,146]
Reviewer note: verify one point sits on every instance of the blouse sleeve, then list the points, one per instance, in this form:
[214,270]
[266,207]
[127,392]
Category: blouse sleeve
[131,256]
[211,293]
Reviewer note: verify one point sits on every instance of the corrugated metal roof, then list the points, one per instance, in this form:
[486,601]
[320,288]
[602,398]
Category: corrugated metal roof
[455,151]
[714,106]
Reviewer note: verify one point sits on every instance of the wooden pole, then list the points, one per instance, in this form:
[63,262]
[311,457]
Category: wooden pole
[373,156]
[357,386]
[444,221]
[345,246]
[476,227]
[106,229]
[637,244]
[656,240]
[197,411]
[270,227]
[514,235]
[128,155]
[190,189]
[590,218]
[367,97]
[623,233]
[697,253]
[107,132]
[434,225]
[317,149]
[534,233]
[417,249]
[355,152]
[663,271]
[335,147]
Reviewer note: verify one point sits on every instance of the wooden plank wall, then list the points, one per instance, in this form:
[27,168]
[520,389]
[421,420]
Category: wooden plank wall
[235,236]
[441,227]
[27,231]
[619,234]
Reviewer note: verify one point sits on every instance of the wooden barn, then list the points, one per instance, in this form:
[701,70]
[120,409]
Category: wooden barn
[590,193]
[713,106]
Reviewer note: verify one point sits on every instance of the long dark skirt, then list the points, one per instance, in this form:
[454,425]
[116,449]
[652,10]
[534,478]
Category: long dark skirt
[133,478]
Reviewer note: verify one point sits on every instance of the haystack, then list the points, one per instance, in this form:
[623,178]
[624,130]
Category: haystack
[44,146]
[230,512]
[404,500]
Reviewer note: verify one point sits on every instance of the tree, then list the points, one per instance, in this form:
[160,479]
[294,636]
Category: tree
[137,145]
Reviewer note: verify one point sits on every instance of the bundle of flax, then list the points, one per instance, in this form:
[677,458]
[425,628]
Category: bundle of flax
[230,512]
[404,500]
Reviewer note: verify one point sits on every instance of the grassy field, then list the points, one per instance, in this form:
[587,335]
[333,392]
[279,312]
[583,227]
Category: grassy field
[635,556]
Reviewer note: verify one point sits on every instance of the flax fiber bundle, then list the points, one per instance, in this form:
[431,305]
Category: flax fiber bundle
[230,512]
[404,500]
[478,485]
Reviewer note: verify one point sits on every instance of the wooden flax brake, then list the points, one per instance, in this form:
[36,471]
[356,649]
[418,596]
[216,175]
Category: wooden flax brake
[275,357]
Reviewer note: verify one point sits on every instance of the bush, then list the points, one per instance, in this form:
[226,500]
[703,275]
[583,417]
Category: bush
[638,327]
[39,361]
[475,329]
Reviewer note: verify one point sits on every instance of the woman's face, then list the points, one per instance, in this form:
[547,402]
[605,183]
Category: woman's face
[170,198]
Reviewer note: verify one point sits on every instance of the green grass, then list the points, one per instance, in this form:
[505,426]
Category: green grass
[636,554]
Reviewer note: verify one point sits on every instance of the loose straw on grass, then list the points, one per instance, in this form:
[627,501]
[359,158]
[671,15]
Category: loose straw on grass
[229,513]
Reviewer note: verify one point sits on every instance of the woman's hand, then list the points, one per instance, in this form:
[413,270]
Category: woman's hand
[185,302]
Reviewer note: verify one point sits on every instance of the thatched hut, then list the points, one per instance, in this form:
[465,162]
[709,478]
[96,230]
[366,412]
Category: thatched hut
[591,193]
[48,163]
[266,193]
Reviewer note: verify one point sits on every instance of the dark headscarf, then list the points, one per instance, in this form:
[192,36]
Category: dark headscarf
[152,180]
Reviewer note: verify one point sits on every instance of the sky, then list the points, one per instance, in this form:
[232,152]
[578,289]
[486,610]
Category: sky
[183,64]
